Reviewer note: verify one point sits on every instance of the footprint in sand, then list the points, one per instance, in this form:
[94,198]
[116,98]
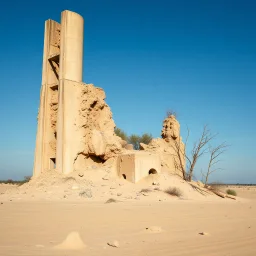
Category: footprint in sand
[72,242]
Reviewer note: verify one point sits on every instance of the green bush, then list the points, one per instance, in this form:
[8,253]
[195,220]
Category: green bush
[134,139]
[121,134]
[231,192]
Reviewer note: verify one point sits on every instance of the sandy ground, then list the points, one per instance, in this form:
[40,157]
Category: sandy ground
[37,227]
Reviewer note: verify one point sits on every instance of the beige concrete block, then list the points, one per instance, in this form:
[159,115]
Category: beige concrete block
[138,165]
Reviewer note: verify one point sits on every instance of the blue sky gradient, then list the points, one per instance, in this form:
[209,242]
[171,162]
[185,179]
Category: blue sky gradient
[196,57]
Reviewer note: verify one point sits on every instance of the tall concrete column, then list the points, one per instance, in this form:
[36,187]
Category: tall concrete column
[71,52]
[71,67]
[45,138]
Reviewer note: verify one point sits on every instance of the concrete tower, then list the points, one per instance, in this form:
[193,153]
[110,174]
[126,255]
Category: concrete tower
[62,65]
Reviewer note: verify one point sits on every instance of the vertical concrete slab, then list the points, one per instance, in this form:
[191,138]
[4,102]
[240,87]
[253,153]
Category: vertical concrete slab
[71,67]
[126,167]
[145,164]
[69,142]
[45,135]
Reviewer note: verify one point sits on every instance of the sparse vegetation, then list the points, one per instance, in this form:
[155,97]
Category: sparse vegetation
[171,112]
[134,139]
[16,182]
[199,149]
[145,190]
[119,132]
[215,153]
[111,200]
[231,192]
[146,138]
[214,187]
[87,193]
[69,179]
[173,191]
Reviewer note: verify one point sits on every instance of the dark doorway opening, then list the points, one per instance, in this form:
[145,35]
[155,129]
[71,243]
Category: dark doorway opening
[152,171]
[52,163]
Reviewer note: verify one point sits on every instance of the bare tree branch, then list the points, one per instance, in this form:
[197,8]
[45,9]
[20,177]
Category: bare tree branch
[199,149]
[215,152]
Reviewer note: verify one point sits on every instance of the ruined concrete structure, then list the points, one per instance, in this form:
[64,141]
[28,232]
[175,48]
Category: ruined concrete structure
[170,147]
[75,125]
[74,122]
[137,165]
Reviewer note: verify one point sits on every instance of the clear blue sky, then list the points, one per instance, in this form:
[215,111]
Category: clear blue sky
[197,57]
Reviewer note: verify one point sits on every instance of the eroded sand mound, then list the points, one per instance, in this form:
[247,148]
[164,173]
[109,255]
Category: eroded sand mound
[72,242]
[99,184]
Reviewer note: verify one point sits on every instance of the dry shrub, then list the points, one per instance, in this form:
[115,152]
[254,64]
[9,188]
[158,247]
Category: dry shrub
[111,200]
[214,187]
[173,191]
[231,192]
[171,112]
[145,190]
[68,179]
[87,193]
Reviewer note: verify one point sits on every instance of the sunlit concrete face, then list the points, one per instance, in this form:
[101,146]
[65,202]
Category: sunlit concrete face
[62,61]
[75,124]
[138,165]
[71,51]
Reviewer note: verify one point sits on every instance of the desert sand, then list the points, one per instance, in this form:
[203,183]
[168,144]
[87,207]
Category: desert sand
[151,223]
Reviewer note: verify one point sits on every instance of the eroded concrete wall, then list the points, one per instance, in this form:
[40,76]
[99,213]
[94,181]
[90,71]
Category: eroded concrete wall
[86,129]
[45,149]
[168,146]
[75,125]
[136,165]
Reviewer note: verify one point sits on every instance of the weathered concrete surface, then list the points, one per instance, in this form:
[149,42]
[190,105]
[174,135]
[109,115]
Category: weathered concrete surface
[168,146]
[87,127]
[75,125]
[46,130]
[136,165]
[71,50]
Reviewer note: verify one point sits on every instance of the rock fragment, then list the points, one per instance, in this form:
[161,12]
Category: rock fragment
[87,193]
[154,229]
[114,243]
[203,233]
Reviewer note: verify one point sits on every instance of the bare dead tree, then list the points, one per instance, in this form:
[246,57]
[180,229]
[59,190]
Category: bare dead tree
[171,112]
[215,153]
[178,163]
[199,149]
[180,151]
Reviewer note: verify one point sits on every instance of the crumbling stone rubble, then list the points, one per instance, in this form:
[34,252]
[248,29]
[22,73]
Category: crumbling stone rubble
[97,126]
[168,146]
